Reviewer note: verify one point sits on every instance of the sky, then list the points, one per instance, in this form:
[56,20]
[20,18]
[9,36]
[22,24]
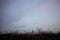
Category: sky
[28,15]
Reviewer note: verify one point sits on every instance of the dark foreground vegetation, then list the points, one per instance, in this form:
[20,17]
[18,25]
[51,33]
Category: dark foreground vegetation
[28,36]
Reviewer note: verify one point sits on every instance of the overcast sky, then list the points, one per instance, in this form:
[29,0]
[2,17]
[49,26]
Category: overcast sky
[27,15]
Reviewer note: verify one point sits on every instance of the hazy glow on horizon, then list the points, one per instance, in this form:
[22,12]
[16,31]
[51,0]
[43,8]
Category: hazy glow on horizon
[29,15]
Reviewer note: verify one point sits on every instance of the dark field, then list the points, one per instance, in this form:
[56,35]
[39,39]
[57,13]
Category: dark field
[30,36]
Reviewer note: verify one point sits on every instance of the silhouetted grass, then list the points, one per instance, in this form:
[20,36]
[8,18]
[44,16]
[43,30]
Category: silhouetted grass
[30,36]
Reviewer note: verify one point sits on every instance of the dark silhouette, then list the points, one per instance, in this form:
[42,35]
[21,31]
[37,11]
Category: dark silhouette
[30,36]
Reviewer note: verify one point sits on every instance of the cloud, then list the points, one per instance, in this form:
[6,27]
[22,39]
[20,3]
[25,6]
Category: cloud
[31,15]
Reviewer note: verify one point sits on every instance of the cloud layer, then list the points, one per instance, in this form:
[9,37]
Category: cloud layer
[30,15]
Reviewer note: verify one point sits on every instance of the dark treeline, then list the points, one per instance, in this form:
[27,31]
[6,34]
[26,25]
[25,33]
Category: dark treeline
[30,36]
